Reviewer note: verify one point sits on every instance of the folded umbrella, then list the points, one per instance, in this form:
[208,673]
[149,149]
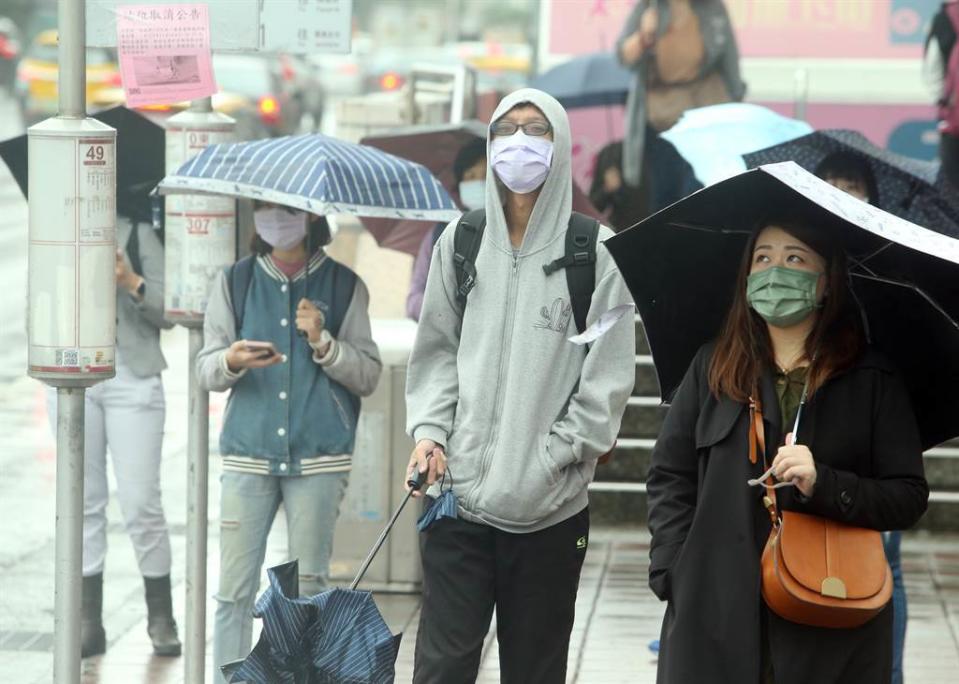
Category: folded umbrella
[681,265]
[335,637]
[713,139]
[591,80]
[905,187]
[435,147]
[318,174]
[141,146]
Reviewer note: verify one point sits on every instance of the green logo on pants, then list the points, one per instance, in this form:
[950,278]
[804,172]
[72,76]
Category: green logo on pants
[581,543]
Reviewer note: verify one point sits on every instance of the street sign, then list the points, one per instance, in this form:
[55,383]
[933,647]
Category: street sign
[295,26]
[234,24]
[306,26]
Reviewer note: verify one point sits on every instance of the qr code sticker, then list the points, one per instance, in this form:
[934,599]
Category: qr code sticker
[68,357]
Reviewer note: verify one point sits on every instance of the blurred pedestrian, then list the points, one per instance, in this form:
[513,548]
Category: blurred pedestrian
[125,415]
[941,75]
[853,174]
[684,55]
[522,414]
[668,178]
[469,173]
[288,332]
[792,345]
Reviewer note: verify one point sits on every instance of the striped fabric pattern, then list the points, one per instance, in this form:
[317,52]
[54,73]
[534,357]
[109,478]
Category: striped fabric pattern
[336,636]
[319,174]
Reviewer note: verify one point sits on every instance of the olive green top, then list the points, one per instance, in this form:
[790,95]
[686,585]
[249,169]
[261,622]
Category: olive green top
[789,387]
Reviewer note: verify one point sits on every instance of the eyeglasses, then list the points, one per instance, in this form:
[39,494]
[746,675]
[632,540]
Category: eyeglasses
[534,128]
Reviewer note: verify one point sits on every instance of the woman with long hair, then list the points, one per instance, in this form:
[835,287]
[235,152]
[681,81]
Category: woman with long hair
[793,329]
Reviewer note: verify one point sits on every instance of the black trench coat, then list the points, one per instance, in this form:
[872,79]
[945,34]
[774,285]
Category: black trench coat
[709,528]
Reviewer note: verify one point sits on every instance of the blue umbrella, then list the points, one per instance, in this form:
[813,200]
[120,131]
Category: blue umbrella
[444,506]
[905,187]
[336,636]
[586,81]
[318,174]
[713,139]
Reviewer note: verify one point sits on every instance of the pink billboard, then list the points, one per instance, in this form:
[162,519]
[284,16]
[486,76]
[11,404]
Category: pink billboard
[768,28]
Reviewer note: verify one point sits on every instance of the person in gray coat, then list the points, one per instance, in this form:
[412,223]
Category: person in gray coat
[125,415]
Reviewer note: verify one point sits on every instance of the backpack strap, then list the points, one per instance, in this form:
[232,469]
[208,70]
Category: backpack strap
[238,278]
[133,249]
[466,245]
[579,261]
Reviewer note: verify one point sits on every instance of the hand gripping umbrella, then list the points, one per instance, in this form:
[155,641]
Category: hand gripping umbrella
[681,266]
[335,637]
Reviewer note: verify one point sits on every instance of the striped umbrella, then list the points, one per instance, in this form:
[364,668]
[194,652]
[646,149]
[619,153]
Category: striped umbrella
[318,174]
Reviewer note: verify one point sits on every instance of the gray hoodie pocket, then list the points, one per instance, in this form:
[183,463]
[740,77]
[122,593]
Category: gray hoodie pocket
[527,488]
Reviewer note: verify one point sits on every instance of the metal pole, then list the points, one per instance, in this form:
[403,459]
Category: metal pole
[69,543]
[198,448]
[71,20]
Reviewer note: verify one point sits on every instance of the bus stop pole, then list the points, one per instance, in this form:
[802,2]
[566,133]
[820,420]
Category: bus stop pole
[69,535]
[70,410]
[197,517]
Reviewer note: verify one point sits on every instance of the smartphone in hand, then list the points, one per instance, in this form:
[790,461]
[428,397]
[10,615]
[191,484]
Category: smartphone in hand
[264,350]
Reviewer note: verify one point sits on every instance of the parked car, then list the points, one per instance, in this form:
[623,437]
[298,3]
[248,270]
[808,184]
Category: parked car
[36,87]
[9,52]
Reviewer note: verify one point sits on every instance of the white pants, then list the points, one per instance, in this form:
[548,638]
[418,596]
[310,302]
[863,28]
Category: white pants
[125,414]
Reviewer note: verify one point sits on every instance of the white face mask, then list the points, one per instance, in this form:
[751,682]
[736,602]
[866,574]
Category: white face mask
[521,161]
[473,194]
[279,228]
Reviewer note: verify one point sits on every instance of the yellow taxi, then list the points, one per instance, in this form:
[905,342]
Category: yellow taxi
[37,78]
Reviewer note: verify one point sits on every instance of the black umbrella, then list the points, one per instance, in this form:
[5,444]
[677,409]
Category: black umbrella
[140,159]
[905,187]
[587,81]
[681,265]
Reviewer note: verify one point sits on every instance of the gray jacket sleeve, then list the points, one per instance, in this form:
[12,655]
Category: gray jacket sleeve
[592,421]
[432,381]
[151,257]
[353,359]
[729,63]
[219,332]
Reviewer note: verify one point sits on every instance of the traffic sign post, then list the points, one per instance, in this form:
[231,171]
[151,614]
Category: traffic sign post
[71,300]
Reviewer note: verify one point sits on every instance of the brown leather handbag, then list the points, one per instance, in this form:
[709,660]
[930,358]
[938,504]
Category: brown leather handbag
[817,571]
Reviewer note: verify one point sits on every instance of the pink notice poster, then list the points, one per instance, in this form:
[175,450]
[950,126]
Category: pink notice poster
[892,29]
[164,53]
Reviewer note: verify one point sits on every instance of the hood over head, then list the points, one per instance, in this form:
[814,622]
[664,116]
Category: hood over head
[553,206]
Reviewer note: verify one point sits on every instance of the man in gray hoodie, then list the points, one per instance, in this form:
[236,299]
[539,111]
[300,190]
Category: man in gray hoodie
[498,397]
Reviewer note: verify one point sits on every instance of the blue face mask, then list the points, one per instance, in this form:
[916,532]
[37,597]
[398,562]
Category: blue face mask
[473,194]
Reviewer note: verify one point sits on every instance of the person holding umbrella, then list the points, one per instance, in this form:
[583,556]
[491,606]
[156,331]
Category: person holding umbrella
[809,332]
[522,413]
[287,330]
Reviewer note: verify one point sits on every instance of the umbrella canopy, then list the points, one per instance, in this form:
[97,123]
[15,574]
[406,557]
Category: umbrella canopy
[681,266]
[435,147]
[586,81]
[336,636]
[140,158]
[318,174]
[713,139]
[906,187]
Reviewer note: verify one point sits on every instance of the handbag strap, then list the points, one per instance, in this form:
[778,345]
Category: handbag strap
[757,442]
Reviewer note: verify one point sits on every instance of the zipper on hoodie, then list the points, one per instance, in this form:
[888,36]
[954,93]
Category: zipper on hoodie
[503,365]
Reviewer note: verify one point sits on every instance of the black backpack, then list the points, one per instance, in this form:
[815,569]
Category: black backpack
[579,260]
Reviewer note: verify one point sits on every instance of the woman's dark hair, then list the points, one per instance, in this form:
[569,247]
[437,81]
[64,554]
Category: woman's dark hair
[837,340]
[466,158]
[610,157]
[850,166]
[319,236]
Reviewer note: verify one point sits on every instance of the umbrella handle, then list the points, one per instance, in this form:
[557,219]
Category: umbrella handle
[415,483]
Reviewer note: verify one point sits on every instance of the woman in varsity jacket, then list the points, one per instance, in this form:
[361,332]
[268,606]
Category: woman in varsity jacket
[288,331]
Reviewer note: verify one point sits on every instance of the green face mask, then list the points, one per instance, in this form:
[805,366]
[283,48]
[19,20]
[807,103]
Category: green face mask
[782,296]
